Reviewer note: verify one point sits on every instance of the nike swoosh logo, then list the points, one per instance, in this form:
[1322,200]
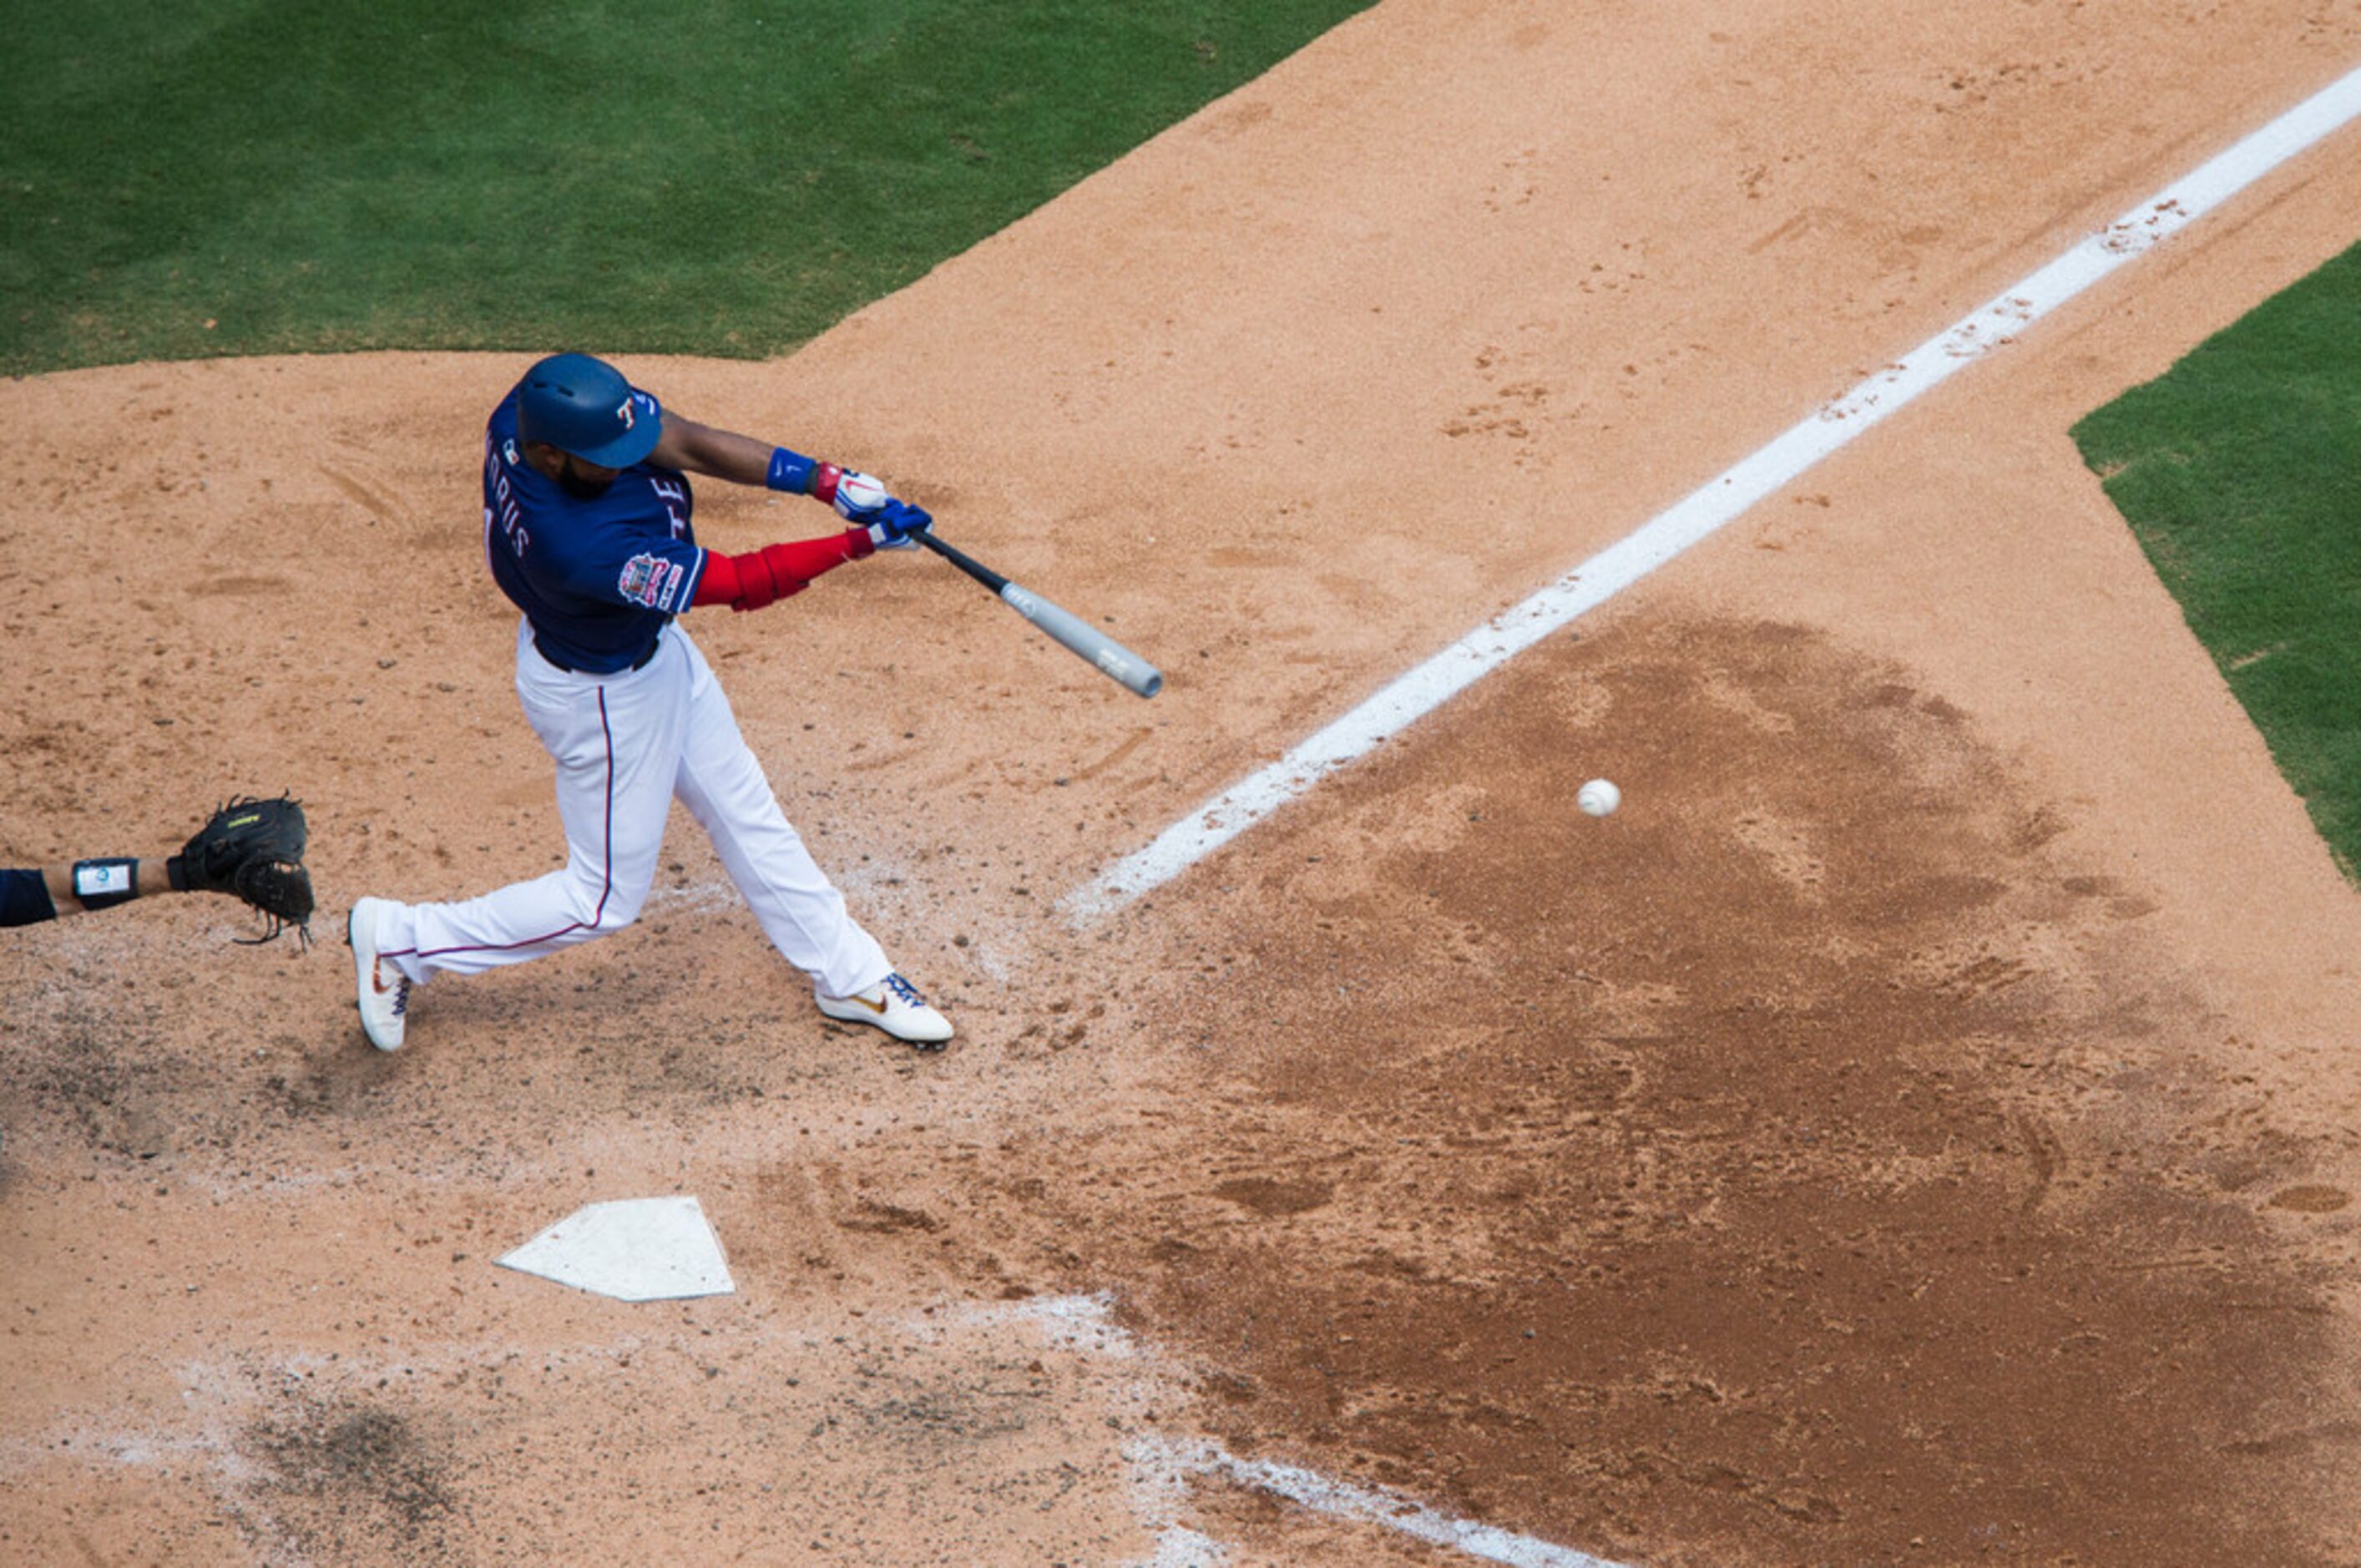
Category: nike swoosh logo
[876,1007]
[377,976]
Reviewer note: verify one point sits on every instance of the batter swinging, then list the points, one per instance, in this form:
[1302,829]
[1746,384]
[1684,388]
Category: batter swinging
[587,527]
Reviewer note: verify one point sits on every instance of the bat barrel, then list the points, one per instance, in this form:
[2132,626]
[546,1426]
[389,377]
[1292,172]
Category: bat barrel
[1095,647]
[1078,636]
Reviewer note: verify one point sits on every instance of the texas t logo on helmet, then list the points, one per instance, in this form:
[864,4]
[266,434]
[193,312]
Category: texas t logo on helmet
[584,407]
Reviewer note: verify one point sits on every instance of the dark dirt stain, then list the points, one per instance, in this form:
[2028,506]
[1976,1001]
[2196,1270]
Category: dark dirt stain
[101,1065]
[1667,1206]
[347,1482]
[888,1218]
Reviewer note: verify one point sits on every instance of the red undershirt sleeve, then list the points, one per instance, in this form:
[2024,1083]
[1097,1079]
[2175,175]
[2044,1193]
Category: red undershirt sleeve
[776,571]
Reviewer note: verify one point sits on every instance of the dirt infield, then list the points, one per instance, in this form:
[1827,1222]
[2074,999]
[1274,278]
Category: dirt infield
[1921,1126]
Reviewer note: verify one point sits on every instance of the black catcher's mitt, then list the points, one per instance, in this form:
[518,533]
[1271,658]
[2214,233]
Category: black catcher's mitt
[252,850]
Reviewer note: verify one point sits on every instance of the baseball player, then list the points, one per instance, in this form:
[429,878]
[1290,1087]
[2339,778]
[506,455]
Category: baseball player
[586,528]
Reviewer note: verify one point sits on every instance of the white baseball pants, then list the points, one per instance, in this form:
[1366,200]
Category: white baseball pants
[626,746]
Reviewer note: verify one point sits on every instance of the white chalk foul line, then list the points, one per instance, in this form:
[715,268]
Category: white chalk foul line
[1704,512]
[1167,1460]
[1489,1543]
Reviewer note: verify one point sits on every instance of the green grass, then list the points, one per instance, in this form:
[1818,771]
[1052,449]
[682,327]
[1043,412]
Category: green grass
[2240,472]
[696,177]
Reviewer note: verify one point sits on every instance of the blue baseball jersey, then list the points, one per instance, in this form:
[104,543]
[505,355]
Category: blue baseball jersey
[596,579]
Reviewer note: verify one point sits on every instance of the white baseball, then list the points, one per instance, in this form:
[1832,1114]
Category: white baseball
[1598,798]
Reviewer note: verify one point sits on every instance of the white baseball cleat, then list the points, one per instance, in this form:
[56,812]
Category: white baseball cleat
[893,1006]
[383,990]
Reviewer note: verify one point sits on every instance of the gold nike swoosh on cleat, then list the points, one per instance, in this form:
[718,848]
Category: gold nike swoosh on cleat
[377,976]
[876,1007]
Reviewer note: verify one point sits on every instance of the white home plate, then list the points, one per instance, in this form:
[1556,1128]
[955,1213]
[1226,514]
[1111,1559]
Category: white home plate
[636,1249]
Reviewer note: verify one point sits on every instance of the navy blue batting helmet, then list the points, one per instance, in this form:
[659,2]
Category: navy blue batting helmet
[584,406]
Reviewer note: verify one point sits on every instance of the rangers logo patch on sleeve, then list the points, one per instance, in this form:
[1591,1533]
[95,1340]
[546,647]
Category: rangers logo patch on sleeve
[651,581]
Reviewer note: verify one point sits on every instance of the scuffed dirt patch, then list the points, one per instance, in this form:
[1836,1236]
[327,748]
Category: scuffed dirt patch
[1803,1163]
[345,1482]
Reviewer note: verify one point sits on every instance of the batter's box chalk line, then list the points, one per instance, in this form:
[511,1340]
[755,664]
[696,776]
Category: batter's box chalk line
[1164,1468]
[1343,1500]
[1992,327]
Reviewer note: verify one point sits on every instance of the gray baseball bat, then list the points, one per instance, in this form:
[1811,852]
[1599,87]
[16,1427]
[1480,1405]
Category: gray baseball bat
[1085,641]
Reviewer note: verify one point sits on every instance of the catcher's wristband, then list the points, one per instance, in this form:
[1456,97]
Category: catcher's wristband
[103,883]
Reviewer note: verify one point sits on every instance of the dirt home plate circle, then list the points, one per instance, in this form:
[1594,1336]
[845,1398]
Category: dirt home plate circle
[1598,798]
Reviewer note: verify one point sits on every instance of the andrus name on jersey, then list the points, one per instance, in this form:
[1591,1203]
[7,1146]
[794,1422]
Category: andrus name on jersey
[510,517]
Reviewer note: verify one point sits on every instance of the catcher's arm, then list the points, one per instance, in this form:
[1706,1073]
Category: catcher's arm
[251,850]
[141,876]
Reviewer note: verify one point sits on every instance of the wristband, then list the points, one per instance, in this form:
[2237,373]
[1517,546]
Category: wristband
[801,476]
[100,884]
[791,471]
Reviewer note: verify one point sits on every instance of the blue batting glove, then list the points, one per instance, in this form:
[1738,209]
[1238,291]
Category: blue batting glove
[897,525]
